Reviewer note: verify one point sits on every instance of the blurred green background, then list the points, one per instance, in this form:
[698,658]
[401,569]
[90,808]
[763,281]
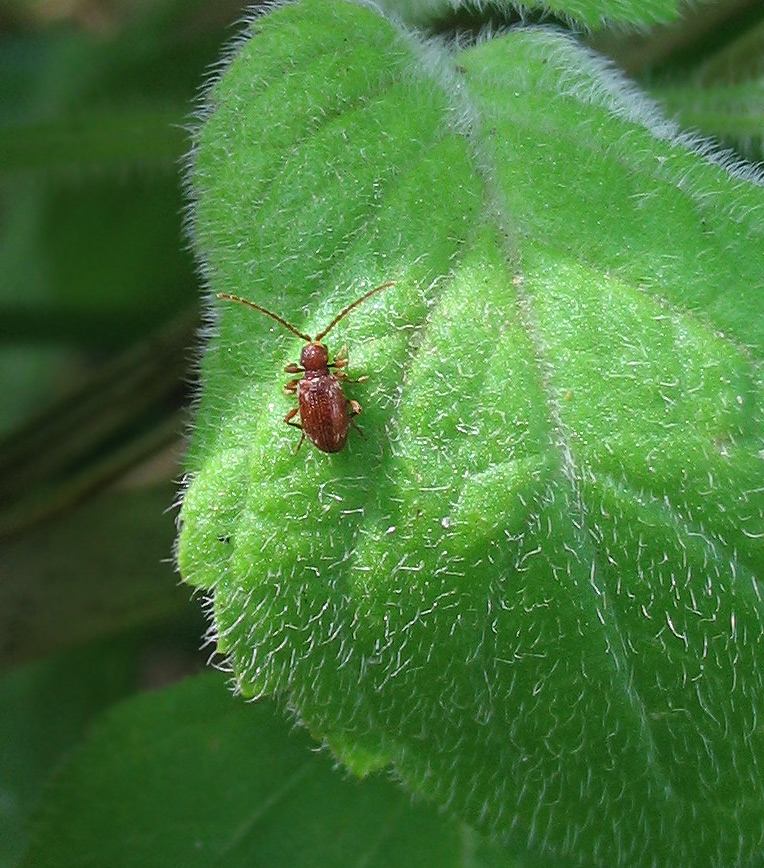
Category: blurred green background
[99,300]
[99,312]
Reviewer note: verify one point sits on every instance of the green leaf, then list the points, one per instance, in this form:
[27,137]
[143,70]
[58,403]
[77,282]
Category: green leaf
[733,114]
[721,93]
[534,588]
[736,60]
[190,777]
[78,685]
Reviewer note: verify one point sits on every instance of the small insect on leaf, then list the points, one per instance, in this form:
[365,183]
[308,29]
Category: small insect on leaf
[325,414]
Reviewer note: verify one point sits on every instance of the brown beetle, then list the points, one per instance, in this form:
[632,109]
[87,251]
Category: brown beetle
[325,413]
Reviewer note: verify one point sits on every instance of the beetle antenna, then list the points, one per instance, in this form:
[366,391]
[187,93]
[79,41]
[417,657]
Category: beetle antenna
[228,297]
[350,307]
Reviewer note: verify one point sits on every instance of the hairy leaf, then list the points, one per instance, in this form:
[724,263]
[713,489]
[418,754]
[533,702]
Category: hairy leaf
[534,588]
[589,13]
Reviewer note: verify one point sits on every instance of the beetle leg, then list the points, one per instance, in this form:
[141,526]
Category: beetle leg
[355,409]
[290,415]
[341,359]
[341,375]
[288,419]
[294,369]
[291,386]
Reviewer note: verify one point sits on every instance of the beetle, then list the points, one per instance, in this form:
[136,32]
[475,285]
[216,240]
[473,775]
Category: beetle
[325,413]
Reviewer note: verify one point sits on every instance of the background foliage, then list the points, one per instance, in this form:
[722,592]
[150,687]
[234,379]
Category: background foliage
[98,306]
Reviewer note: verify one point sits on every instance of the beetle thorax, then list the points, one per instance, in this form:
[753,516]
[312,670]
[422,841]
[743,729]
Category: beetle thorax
[314,356]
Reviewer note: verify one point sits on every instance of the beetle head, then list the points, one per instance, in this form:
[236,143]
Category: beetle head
[314,356]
